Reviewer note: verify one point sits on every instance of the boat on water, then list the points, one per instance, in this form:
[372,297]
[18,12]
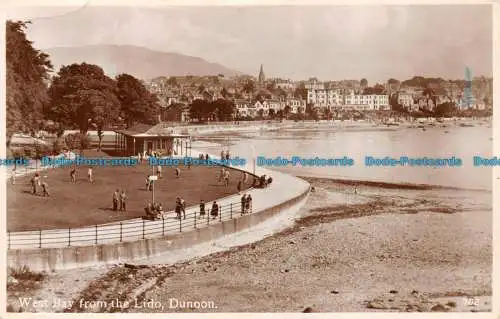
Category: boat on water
[465,125]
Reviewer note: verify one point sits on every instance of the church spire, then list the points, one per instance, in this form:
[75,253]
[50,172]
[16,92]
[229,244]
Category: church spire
[262,77]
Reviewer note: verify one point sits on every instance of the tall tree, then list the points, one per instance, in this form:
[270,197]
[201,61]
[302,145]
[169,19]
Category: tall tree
[225,109]
[138,105]
[287,111]
[27,76]
[249,87]
[83,95]
[363,83]
[301,91]
[200,109]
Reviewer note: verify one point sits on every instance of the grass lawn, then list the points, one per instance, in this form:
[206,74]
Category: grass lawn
[84,203]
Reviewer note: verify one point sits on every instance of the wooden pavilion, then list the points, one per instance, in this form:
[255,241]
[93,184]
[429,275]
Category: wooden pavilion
[143,138]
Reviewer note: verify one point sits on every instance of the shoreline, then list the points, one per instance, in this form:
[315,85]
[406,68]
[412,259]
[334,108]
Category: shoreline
[333,216]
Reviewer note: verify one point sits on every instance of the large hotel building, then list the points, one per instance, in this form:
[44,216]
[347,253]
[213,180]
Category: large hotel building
[342,100]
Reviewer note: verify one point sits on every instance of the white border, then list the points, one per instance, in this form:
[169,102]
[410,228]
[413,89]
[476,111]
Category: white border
[8,7]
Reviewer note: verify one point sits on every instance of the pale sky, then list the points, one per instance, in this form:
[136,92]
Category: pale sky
[329,42]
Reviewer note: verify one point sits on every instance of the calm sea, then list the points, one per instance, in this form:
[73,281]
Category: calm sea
[461,142]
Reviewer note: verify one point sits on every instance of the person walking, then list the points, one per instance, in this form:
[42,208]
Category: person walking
[226,178]
[13,177]
[178,207]
[215,210]
[72,175]
[183,207]
[248,205]
[90,174]
[222,174]
[45,189]
[33,185]
[116,198]
[123,198]
[202,209]
[158,169]
[243,204]
[177,172]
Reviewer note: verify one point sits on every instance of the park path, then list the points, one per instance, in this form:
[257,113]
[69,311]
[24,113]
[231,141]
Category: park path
[283,188]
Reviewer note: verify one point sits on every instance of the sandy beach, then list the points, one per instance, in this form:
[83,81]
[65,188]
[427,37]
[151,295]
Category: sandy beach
[383,248]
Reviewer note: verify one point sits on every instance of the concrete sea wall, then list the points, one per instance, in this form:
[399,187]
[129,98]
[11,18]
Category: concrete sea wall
[49,259]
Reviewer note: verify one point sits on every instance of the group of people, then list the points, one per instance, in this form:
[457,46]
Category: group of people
[203,157]
[142,156]
[119,200]
[37,182]
[262,181]
[90,175]
[224,176]
[246,204]
[214,211]
[180,207]
[224,155]
[153,210]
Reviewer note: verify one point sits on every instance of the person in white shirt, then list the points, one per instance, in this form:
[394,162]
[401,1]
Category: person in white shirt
[91,179]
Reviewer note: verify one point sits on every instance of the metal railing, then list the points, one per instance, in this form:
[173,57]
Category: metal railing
[129,230]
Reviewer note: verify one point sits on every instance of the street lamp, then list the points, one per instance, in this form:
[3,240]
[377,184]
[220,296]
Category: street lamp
[253,155]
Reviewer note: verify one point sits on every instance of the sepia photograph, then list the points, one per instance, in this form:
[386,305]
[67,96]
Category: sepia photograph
[256,159]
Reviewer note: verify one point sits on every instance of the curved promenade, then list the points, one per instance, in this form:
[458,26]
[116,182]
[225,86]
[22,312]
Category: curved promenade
[137,238]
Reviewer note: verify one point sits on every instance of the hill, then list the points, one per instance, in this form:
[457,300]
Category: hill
[140,62]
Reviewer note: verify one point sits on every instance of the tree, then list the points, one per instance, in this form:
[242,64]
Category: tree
[224,109]
[58,146]
[138,105]
[378,89]
[363,83]
[100,135]
[287,111]
[82,94]
[328,113]
[261,113]
[172,81]
[200,109]
[279,114]
[272,113]
[310,110]
[300,111]
[271,86]
[445,109]
[249,87]
[27,71]
[428,92]
[300,92]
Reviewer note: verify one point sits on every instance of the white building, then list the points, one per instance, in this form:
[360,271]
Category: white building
[285,84]
[406,100]
[324,98]
[295,104]
[335,99]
